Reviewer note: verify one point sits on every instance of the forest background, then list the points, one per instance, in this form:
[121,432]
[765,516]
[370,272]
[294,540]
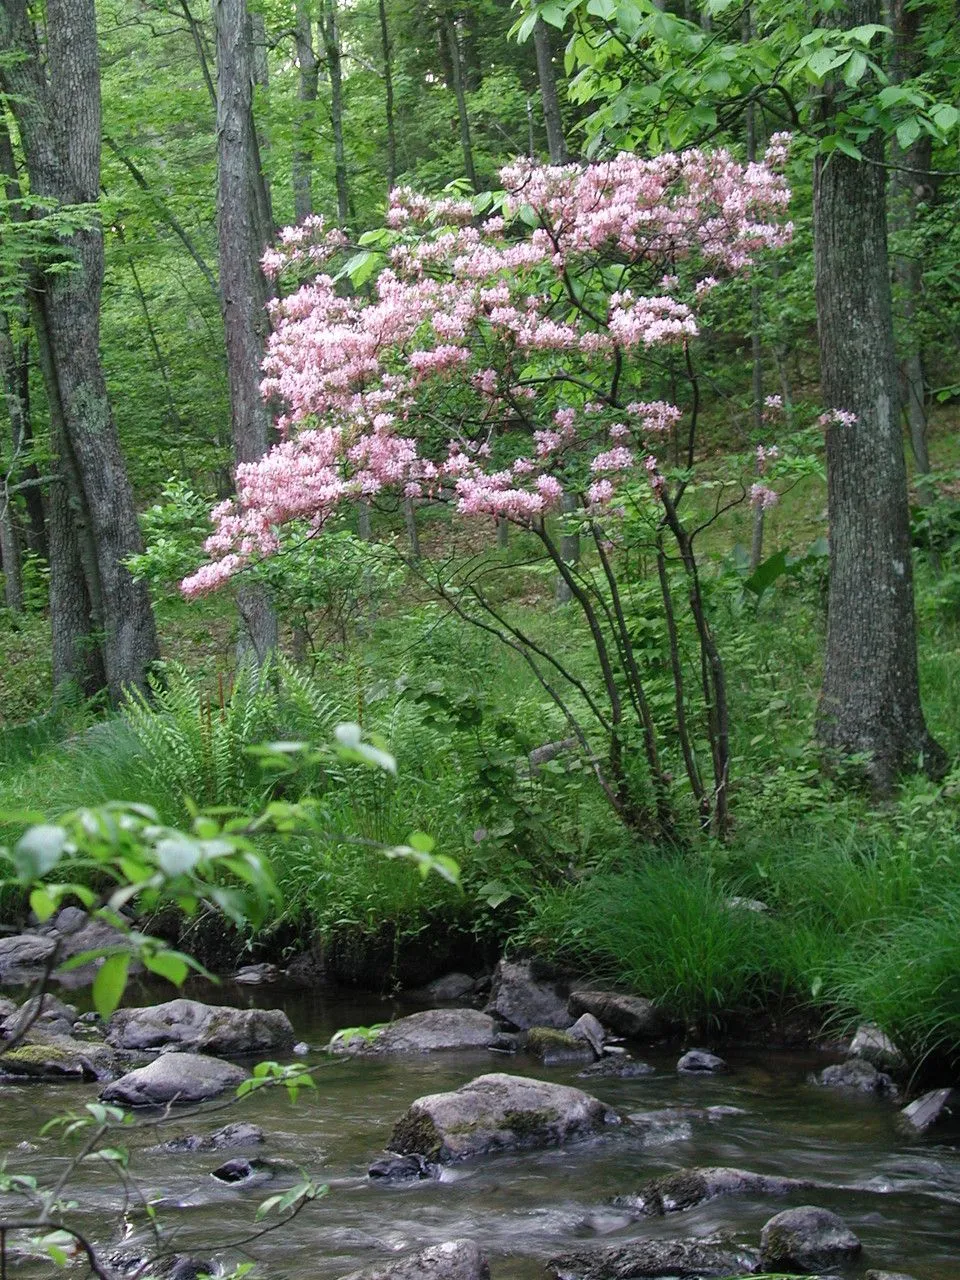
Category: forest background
[855,869]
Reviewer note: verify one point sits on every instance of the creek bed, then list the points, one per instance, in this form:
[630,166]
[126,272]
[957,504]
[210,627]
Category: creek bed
[901,1195]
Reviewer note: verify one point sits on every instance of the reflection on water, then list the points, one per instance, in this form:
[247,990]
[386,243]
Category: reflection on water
[901,1196]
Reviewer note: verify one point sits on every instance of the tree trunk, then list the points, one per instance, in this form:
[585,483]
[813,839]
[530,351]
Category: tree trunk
[243,291]
[870,700]
[569,551]
[59,124]
[546,74]
[10,557]
[308,73]
[456,70]
[388,97]
[910,189]
[331,44]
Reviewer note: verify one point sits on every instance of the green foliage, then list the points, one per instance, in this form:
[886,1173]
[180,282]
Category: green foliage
[194,746]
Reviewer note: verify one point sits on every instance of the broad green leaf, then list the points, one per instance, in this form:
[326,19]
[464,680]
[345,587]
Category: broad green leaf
[38,851]
[42,904]
[169,965]
[177,855]
[109,984]
[908,133]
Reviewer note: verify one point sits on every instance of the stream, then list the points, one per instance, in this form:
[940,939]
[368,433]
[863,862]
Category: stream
[900,1195]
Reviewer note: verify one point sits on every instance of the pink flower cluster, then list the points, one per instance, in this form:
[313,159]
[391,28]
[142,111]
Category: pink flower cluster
[838,417]
[475,333]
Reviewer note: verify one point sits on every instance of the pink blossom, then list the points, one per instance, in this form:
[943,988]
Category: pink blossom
[838,417]
[763,498]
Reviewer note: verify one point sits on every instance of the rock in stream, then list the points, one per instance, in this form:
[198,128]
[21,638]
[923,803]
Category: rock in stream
[174,1077]
[427,1032]
[202,1028]
[453,1260]
[687,1188]
[498,1112]
[681,1258]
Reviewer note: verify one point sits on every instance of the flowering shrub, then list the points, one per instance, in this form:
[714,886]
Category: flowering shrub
[501,365]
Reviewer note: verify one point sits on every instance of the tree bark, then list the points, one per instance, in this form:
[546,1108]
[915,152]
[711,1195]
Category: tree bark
[388,96]
[456,71]
[550,100]
[910,189]
[331,44]
[243,289]
[308,74]
[870,700]
[58,116]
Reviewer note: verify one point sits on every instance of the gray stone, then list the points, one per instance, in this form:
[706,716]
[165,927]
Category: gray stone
[453,1260]
[46,1055]
[49,1013]
[255,974]
[174,1077]
[876,1046]
[807,1239]
[202,1028]
[887,1275]
[525,1001]
[238,1134]
[589,1028]
[427,1032]
[858,1074]
[687,1188]
[682,1258]
[409,1168]
[70,920]
[557,1048]
[700,1062]
[243,1172]
[617,1068]
[631,1016]
[932,1109]
[452,986]
[24,957]
[498,1113]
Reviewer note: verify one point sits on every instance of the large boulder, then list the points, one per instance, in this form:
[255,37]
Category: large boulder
[174,1077]
[807,1239]
[931,1110]
[498,1112]
[45,1055]
[425,1032]
[631,1016]
[680,1258]
[454,1260]
[24,957]
[520,996]
[858,1074]
[687,1188]
[201,1028]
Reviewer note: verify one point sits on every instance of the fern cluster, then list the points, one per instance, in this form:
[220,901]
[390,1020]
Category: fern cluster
[194,743]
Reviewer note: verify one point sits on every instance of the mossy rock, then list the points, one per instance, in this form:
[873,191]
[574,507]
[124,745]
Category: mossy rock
[557,1048]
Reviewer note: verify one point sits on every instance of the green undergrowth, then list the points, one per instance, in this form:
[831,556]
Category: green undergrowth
[863,900]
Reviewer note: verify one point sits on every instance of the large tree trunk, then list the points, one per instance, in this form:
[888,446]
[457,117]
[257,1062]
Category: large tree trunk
[243,291]
[549,98]
[331,45]
[388,96]
[58,115]
[910,189]
[870,701]
[305,126]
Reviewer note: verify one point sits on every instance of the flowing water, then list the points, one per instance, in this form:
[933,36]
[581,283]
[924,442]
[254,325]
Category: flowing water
[901,1195]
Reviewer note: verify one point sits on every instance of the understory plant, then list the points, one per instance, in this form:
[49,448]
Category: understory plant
[529,356]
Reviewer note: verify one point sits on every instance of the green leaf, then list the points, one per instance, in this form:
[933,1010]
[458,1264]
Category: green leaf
[420,841]
[109,984]
[38,851]
[177,855]
[854,69]
[945,116]
[169,965]
[42,904]
[908,132]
